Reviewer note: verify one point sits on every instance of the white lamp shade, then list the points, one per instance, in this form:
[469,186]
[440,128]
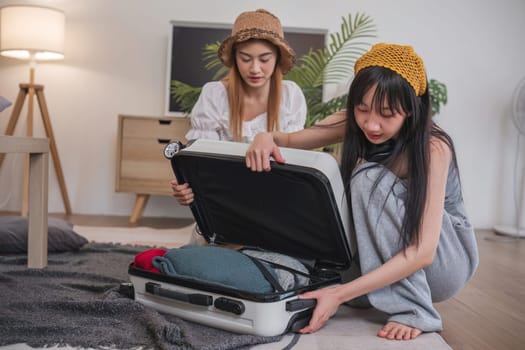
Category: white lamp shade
[32,32]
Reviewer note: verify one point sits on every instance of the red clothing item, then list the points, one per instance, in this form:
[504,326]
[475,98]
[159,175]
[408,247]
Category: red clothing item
[144,259]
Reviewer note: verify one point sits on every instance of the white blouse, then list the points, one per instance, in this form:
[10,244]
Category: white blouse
[210,115]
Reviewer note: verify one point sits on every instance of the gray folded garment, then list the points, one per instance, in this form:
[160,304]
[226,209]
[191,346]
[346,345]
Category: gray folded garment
[288,280]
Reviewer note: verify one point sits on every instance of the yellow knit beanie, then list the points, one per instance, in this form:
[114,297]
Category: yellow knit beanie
[401,59]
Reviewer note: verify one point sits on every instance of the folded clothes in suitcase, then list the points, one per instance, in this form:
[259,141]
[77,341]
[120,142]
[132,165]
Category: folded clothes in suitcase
[246,270]
[298,210]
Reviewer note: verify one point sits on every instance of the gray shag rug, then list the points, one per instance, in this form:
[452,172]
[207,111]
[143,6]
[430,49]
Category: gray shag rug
[75,301]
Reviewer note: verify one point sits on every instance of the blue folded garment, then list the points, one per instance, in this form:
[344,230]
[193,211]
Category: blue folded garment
[215,265]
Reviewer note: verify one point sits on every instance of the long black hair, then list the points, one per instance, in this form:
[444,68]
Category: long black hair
[412,143]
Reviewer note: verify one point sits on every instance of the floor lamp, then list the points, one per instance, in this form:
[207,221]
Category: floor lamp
[33,33]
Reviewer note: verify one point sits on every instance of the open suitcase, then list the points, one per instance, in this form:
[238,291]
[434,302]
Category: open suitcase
[298,209]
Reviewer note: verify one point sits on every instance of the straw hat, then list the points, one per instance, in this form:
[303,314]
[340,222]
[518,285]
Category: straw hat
[259,24]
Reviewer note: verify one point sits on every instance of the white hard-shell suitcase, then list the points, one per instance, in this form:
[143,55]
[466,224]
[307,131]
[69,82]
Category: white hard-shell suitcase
[298,209]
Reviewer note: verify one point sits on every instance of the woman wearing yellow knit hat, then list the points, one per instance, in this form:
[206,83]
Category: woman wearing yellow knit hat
[415,244]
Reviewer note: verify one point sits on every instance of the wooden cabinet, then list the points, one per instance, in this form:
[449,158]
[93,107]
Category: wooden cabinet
[141,165]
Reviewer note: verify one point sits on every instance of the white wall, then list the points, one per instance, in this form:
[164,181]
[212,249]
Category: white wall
[116,64]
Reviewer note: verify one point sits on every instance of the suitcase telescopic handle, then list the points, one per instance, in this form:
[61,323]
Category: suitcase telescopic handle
[192,298]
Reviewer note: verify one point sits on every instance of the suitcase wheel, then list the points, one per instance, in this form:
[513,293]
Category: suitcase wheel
[127,290]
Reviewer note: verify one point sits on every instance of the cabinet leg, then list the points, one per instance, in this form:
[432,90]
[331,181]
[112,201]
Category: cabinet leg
[140,204]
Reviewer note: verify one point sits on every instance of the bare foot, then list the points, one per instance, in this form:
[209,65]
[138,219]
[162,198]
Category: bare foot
[398,331]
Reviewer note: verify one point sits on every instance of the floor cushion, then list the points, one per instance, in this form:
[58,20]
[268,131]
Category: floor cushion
[61,237]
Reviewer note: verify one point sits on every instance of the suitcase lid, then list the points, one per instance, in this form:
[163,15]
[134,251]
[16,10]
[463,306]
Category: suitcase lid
[298,208]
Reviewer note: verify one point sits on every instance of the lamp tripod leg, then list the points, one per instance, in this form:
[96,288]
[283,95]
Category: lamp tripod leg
[53,147]
[29,133]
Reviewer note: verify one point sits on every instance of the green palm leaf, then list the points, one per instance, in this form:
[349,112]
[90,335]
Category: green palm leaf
[332,65]
[212,61]
[335,63]
[438,95]
[326,108]
[185,95]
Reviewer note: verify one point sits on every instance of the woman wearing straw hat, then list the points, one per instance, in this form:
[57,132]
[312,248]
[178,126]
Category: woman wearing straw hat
[253,98]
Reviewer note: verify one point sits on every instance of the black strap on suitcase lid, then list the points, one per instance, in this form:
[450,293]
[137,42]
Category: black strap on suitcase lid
[290,210]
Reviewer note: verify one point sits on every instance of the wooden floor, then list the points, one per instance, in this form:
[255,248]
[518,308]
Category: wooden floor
[488,314]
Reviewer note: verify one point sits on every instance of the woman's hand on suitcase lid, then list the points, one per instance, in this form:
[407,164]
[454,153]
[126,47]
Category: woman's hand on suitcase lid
[259,152]
[182,193]
[327,304]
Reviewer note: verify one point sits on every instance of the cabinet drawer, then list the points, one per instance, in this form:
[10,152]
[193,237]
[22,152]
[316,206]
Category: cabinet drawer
[141,165]
[145,176]
[169,129]
[143,149]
